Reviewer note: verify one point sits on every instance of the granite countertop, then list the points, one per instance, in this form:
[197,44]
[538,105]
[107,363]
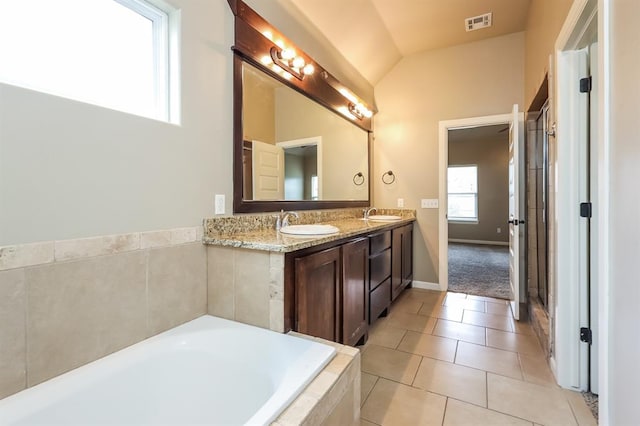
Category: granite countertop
[271,240]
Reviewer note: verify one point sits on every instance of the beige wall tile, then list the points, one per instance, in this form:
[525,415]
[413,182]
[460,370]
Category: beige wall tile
[430,346]
[343,413]
[391,364]
[220,278]
[177,286]
[96,246]
[13,347]
[155,239]
[184,235]
[392,403]
[252,292]
[276,315]
[456,381]
[80,311]
[489,359]
[26,255]
[462,414]
[536,403]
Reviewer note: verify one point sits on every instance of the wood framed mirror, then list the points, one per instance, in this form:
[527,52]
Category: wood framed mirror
[298,144]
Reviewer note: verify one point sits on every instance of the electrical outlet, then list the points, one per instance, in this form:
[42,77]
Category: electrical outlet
[429,203]
[499,230]
[401,202]
[219,207]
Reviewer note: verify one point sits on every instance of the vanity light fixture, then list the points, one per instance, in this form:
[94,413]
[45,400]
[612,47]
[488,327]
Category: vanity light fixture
[355,107]
[288,63]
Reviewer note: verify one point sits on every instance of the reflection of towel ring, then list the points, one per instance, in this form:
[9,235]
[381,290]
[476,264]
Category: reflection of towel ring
[388,181]
[358,178]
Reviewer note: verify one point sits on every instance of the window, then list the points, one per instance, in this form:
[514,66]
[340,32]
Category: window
[113,53]
[462,184]
[315,189]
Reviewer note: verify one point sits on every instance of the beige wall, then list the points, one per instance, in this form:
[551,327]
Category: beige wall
[259,109]
[476,79]
[544,21]
[492,158]
[624,291]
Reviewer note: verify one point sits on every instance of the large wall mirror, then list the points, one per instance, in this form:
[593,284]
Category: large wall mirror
[295,144]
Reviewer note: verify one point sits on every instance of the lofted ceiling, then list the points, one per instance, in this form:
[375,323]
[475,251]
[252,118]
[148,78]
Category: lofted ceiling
[375,34]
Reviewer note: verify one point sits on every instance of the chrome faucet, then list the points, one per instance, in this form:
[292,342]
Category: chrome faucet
[368,211]
[282,219]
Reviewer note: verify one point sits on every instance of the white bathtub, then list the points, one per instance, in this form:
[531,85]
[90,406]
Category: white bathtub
[207,371]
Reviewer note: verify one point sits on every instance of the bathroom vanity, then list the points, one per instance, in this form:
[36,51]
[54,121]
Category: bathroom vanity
[331,286]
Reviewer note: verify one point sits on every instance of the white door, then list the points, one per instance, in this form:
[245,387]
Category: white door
[515,222]
[268,171]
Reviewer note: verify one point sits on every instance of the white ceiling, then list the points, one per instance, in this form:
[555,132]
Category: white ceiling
[375,34]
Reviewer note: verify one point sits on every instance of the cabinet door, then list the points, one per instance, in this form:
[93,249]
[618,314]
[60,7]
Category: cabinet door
[317,290]
[401,259]
[355,290]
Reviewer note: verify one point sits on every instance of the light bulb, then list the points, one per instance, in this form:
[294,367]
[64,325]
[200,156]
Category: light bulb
[288,54]
[266,60]
[298,62]
[368,113]
[276,68]
[280,44]
[287,75]
[308,69]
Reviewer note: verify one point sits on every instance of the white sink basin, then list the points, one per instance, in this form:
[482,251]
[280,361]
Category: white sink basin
[384,218]
[313,229]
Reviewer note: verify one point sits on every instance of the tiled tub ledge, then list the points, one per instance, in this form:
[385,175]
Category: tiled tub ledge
[31,254]
[258,232]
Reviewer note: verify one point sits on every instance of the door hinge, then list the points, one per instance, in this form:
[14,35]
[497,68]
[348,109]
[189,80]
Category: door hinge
[585,335]
[585,85]
[586,209]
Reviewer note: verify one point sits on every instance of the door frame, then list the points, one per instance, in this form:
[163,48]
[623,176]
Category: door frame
[315,140]
[443,161]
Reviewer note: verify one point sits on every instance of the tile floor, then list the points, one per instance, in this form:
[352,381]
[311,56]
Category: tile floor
[452,359]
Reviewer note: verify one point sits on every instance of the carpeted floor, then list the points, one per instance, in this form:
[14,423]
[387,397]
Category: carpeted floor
[482,270]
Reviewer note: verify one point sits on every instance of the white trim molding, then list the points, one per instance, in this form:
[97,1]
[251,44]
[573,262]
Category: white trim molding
[483,242]
[426,285]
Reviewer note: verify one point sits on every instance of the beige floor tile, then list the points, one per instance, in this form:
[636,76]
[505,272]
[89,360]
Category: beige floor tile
[526,344]
[364,422]
[457,330]
[580,409]
[426,296]
[406,304]
[387,336]
[389,363]
[475,305]
[460,413]
[444,312]
[394,404]
[413,322]
[499,322]
[427,345]
[367,381]
[490,359]
[488,299]
[452,295]
[536,403]
[499,309]
[522,327]
[536,370]
[456,381]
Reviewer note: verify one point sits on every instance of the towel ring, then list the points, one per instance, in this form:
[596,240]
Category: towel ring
[358,178]
[386,180]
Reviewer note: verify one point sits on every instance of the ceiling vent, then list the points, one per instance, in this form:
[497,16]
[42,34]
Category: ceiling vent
[478,22]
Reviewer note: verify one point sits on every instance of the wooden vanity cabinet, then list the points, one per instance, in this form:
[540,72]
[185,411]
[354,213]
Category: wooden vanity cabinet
[401,259]
[332,298]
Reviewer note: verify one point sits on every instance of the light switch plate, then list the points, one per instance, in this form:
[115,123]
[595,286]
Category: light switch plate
[400,202]
[429,203]
[219,207]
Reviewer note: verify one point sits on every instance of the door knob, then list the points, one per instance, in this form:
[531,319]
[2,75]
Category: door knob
[515,222]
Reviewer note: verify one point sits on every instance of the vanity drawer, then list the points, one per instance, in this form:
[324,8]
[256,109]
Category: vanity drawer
[379,242]
[380,268]
[379,300]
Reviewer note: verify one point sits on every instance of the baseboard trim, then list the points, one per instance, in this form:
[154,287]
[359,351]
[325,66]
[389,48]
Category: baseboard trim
[426,285]
[489,243]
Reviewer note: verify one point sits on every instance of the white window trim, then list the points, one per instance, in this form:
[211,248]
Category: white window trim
[465,220]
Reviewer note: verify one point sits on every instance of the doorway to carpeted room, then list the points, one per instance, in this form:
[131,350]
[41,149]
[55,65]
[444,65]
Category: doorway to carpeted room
[481,270]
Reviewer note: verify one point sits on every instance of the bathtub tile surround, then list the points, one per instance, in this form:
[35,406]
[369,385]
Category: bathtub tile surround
[333,397]
[67,303]
[237,288]
[13,350]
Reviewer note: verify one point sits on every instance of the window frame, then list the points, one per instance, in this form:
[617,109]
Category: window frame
[464,220]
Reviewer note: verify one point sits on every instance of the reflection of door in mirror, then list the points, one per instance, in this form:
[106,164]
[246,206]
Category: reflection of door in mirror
[303,169]
[264,163]
[277,115]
